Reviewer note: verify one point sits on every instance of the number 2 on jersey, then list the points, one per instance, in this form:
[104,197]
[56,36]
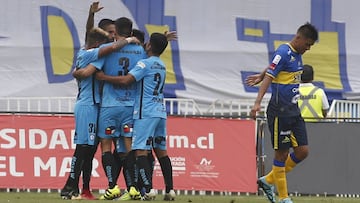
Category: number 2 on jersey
[158,89]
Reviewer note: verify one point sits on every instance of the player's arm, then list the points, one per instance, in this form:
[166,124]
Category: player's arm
[324,112]
[81,73]
[267,80]
[171,35]
[325,104]
[94,8]
[91,69]
[118,80]
[105,50]
[255,79]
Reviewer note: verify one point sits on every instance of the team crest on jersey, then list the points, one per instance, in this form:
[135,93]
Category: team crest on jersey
[127,128]
[110,130]
[92,136]
[292,59]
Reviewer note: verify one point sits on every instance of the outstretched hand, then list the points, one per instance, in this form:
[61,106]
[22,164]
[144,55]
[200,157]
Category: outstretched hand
[171,35]
[94,8]
[133,40]
[253,80]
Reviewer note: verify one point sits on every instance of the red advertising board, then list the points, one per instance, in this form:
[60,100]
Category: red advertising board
[206,154]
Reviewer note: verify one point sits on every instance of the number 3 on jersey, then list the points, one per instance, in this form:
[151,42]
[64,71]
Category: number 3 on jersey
[124,69]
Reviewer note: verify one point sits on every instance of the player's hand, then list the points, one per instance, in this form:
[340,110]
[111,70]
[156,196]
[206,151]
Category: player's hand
[254,110]
[95,7]
[133,40]
[75,73]
[171,35]
[253,80]
[100,75]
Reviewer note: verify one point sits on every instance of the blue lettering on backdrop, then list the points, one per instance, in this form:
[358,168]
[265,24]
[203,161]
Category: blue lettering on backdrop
[60,44]
[152,12]
[330,69]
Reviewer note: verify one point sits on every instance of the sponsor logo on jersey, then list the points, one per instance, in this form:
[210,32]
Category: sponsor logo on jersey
[110,130]
[141,64]
[285,140]
[274,62]
[127,128]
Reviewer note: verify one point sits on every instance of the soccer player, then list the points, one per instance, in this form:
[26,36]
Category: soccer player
[86,111]
[123,160]
[130,160]
[313,102]
[286,125]
[105,23]
[115,118]
[149,114]
[120,157]
[109,26]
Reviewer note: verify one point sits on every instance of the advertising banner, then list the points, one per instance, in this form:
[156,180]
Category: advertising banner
[206,154]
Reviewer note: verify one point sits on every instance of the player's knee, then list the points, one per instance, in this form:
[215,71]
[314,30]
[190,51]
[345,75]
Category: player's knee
[160,153]
[301,152]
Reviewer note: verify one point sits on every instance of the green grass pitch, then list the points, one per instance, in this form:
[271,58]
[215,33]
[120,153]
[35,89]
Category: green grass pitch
[53,197]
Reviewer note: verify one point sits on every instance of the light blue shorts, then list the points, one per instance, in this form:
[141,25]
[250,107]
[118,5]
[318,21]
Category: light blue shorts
[85,124]
[120,145]
[115,121]
[149,133]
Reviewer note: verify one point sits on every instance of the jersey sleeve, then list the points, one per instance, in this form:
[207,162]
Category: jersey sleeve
[139,70]
[99,63]
[278,62]
[86,56]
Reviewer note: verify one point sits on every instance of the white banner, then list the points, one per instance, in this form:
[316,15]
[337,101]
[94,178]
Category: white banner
[220,42]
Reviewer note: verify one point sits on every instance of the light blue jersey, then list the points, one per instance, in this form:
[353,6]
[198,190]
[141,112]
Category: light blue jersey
[88,87]
[149,109]
[87,104]
[150,75]
[119,63]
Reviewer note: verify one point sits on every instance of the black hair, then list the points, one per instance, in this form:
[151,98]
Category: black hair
[140,35]
[158,43]
[308,31]
[123,26]
[105,22]
[307,74]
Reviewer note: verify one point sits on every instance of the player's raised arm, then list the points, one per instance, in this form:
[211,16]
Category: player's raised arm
[171,35]
[94,7]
